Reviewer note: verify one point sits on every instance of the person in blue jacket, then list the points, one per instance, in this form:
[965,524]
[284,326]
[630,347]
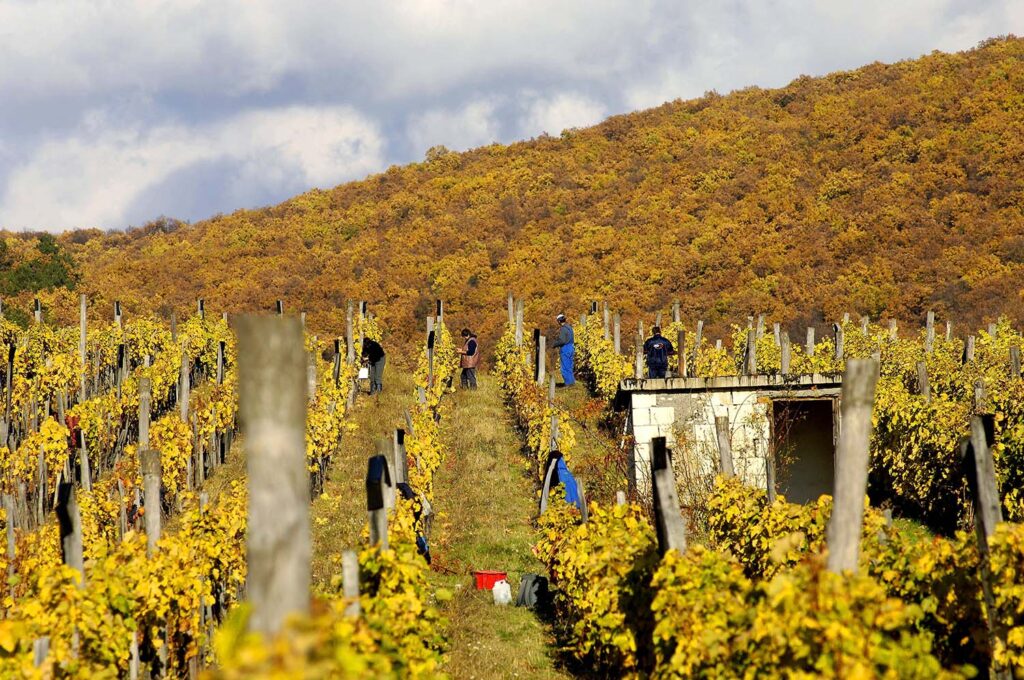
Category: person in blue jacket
[566,347]
[657,350]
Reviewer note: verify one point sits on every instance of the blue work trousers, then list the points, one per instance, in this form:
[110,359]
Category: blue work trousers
[566,356]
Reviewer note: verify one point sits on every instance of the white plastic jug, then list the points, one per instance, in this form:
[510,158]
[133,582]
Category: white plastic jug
[502,592]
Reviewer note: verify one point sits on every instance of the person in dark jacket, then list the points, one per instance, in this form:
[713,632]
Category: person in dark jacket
[373,356]
[565,344]
[657,350]
[470,352]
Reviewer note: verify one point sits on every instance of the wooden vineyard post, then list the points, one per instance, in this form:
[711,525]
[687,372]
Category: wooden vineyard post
[83,462]
[851,472]
[980,471]
[669,524]
[82,307]
[184,386]
[279,307]
[777,333]
[554,415]
[336,363]
[117,313]
[70,528]
[401,463]
[865,322]
[221,346]
[949,330]
[751,353]
[923,387]
[992,330]
[38,311]
[350,582]
[638,368]
[979,395]
[9,513]
[519,323]
[809,345]
[893,331]
[440,312]
[969,349]
[540,343]
[350,347]
[769,474]
[675,311]
[378,481]
[929,332]
[546,490]
[144,404]
[201,308]
[431,339]
[272,407]
[838,329]
[696,343]
[9,381]
[605,322]
[1015,362]
[724,446]
[681,353]
[786,353]
[149,462]
[617,334]
[511,311]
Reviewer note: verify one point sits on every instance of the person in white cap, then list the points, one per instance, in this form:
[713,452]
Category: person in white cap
[566,347]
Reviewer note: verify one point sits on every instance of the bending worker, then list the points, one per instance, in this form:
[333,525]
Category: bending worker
[566,350]
[657,350]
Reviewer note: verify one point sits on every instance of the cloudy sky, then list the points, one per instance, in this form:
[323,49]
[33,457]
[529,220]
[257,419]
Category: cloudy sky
[113,113]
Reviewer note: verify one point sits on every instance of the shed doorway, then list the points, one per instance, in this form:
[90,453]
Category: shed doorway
[803,432]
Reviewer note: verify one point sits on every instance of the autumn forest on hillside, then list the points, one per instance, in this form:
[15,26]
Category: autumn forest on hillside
[885,191]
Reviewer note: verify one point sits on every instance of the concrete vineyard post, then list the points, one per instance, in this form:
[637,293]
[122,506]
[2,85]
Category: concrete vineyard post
[777,333]
[401,462]
[272,408]
[511,310]
[838,329]
[350,347]
[696,343]
[769,468]
[220,362]
[929,332]
[969,350]
[638,368]
[864,323]
[675,312]
[117,313]
[201,308]
[440,312]
[37,311]
[809,344]
[279,307]
[1015,362]
[605,322]
[992,329]
[851,471]
[724,446]
[893,332]
[620,497]
[617,334]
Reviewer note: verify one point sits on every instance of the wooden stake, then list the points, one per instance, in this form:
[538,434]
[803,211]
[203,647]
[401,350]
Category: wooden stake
[681,353]
[893,331]
[272,407]
[923,388]
[786,354]
[809,346]
[669,524]
[378,484]
[184,386]
[724,446]
[149,462]
[70,529]
[839,341]
[617,334]
[929,332]
[851,471]
[751,353]
[969,349]
[1015,362]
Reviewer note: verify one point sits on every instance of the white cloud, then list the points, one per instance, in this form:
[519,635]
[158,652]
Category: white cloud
[91,177]
[473,125]
[562,111]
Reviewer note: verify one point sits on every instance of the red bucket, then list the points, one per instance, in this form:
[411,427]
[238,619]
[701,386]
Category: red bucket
[485,580]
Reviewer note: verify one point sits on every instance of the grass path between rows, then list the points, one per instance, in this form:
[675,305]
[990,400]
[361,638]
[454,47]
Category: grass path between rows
[339,514]
[484,504]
